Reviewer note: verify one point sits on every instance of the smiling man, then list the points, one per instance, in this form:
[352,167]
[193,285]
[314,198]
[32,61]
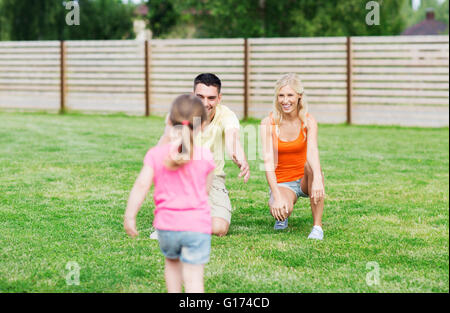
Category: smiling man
[221,134]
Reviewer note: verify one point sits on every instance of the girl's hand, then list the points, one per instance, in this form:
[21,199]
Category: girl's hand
[317,190]
[279,209]
[130,227]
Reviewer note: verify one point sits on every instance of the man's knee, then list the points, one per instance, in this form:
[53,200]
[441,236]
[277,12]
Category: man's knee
[219,226]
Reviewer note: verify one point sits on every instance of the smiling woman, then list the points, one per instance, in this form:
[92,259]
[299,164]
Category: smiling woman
[291,156]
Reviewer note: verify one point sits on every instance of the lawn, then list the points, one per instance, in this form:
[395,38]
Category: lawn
[65,180]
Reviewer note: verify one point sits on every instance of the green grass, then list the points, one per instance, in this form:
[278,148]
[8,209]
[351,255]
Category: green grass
[65,180]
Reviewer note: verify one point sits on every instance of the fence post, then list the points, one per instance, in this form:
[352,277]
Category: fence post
[62,70]
[246,77]
[349,80]
[147,78]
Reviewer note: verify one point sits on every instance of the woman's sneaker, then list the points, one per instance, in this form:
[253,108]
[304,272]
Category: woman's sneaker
[281,224]
[316,233]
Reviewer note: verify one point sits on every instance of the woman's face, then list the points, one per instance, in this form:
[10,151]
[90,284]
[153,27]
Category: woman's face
[288,99]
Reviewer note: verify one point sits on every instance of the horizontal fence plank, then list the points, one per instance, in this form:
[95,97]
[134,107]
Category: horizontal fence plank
[393,100]
[197,42]
[400,47]
[225,96]
[390,62]
[400,93]
[189,83]
[299,55]
[103,43]
[169,76]
[399,85]
[188,89]
[401,55]
[29,51]
[104,56]
[412,78]
[116,62]
[309,92]
[196,70]
[297,40]
[307,84]
[104,69]
[179,62]
[192,49]
[28,63]
[110,50]
[41,43]
[308,62]
[190,56]
[279,70]
[30,57]
[399,39]
[408,70]
[255,49]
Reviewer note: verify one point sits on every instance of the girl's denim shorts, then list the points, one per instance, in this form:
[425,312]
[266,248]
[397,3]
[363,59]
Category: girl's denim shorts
[190,247]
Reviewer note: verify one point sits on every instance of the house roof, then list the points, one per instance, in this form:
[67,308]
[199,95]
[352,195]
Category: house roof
[429,26]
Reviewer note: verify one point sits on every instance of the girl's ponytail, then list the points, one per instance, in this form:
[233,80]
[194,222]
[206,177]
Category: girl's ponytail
[184,109]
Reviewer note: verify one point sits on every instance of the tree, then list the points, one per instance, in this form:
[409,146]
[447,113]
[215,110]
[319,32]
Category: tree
[162,16]
[46,20]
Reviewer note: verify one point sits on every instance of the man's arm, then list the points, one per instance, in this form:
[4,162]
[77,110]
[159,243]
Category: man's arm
[235,151]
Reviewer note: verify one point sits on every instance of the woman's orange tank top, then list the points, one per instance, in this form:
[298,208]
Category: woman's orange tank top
[291,156]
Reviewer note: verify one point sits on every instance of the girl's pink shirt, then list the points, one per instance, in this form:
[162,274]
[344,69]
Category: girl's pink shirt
[181,196]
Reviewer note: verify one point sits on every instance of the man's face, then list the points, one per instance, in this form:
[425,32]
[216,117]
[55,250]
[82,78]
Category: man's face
[210,98]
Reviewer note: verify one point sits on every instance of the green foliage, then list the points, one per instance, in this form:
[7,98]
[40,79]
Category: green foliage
[162,16]
[288,18]
[46,20]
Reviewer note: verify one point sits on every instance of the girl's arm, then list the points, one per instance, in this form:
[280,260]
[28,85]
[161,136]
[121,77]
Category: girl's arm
[137,196]
[312,156]
[278,208]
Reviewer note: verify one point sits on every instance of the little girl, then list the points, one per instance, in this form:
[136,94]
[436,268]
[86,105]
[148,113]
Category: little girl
[182,174]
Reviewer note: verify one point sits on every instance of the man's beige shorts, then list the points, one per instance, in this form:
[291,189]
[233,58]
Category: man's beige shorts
[219,199]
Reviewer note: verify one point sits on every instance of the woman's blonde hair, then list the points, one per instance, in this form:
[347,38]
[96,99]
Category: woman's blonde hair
[182,113]
[292,80]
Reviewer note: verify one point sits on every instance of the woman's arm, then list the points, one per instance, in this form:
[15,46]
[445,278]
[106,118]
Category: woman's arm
[278,208]
[312,156]
[137,196]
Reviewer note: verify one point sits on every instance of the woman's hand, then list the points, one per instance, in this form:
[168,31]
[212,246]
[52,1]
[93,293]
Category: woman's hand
[130,226]
[317,190]
[279,209]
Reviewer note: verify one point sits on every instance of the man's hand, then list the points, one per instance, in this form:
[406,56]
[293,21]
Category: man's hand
[243,167]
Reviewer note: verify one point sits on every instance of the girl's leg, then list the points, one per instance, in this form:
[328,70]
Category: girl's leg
[173,275]
[317,209]
[193,277]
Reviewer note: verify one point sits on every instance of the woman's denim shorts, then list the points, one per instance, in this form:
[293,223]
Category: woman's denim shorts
[190,247]
[294,186]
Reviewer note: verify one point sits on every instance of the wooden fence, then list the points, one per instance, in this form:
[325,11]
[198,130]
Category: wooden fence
[401,80]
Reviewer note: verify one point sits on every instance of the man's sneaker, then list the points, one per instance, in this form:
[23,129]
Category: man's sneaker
[316,233]
[281,224]
[154,235]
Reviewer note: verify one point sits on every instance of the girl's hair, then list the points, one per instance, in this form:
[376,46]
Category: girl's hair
[292,80]
[184,110]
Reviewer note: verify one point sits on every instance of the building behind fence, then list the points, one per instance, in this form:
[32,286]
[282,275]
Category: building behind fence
[396,80]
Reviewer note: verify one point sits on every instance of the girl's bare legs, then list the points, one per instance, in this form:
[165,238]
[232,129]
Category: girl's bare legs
[193,277]
[317,209]
[173,275]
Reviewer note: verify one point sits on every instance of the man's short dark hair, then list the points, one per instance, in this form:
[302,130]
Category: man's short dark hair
[208,79]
